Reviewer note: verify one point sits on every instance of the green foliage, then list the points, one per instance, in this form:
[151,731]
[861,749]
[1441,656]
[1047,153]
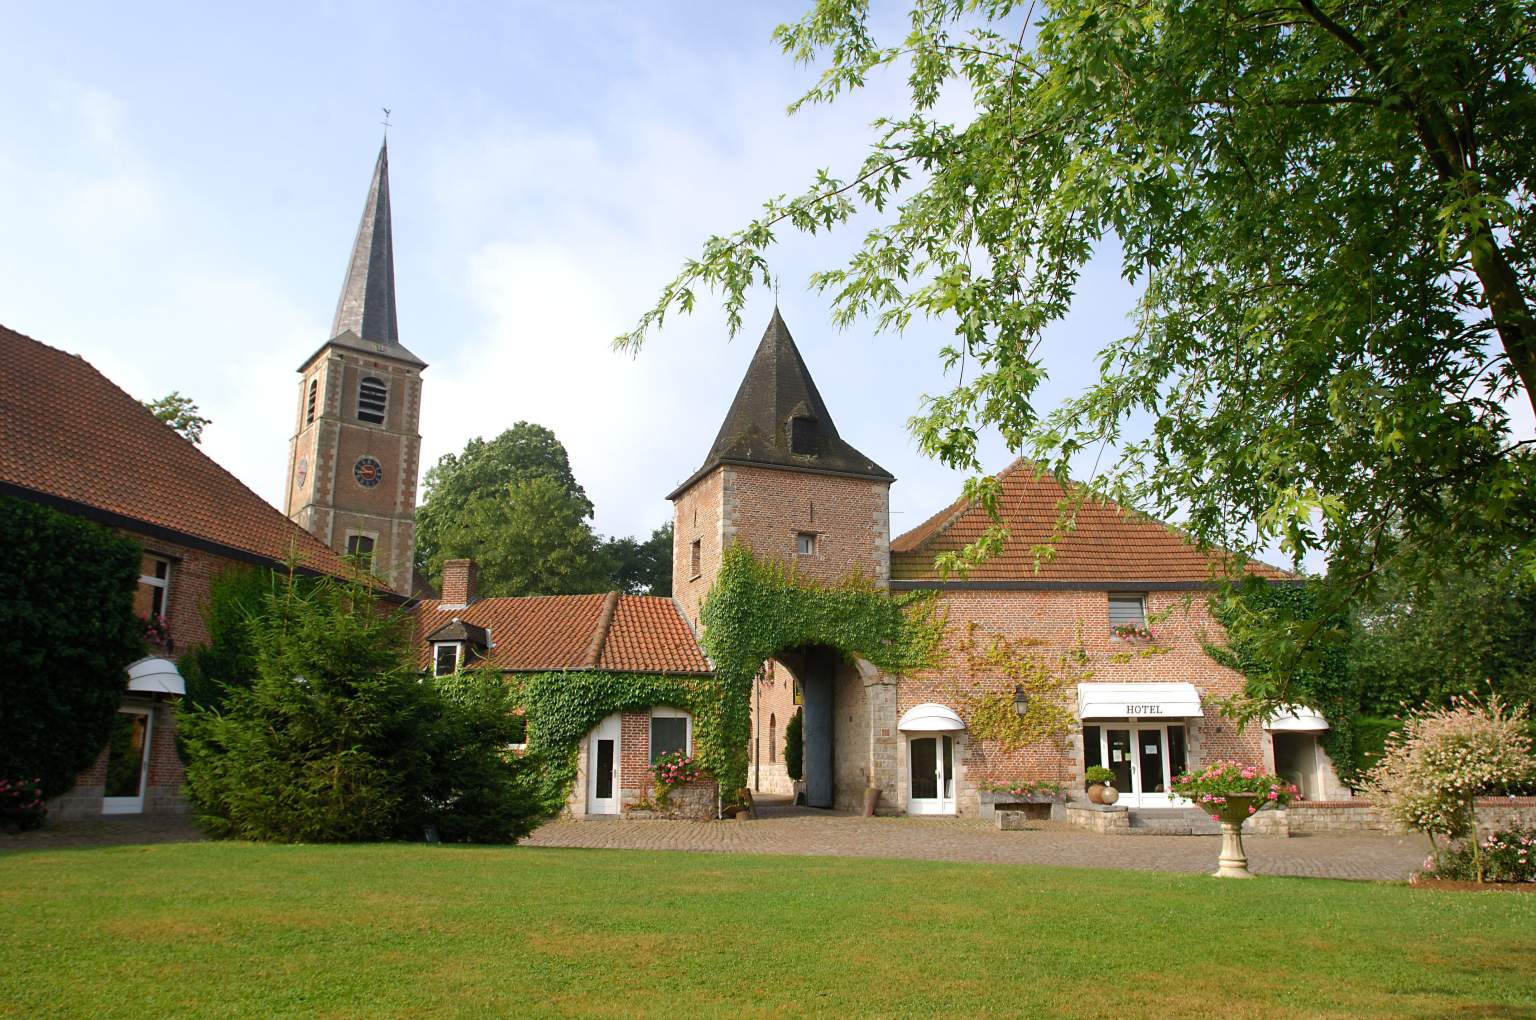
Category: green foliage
[1508,855]
[1043,676]
[642,568]
[229,658]
[21,805]
[1210,787]
[1098,774]
[340,738]
[794,746]
[181,414]
[1289,646]
[564,707]
[758,610]
[1330,212]
[67,630]
[1447,622]
[1371,733]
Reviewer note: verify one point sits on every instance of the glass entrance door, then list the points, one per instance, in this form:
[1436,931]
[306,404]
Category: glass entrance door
[1144,759]
[127,763]
[932,761]
[603,768]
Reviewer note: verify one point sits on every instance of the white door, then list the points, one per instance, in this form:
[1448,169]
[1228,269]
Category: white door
[1138,756]
[931,775]
[603,768]
[127,763]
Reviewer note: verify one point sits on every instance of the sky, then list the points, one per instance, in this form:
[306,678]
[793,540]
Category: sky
[180,186]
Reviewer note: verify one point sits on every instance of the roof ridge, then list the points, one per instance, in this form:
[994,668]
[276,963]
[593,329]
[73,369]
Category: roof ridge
[594,655]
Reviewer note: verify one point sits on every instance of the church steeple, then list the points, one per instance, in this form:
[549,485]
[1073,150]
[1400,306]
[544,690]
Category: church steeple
[366,308]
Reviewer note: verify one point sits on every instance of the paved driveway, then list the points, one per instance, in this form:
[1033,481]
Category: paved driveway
[790,831]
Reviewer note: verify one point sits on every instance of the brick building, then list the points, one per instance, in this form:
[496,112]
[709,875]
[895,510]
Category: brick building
[1116,617]
[77,443]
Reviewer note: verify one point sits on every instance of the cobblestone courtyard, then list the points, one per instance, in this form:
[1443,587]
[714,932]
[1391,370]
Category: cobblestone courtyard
[1366,855]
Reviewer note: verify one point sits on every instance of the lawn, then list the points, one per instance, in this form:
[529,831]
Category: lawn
[222,929]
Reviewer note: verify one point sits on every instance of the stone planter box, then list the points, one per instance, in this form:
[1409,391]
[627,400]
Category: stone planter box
[1041,806]
[698,801]
[1114,819]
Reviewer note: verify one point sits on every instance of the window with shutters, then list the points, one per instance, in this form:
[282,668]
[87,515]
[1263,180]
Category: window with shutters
[1127,612]
[372,395]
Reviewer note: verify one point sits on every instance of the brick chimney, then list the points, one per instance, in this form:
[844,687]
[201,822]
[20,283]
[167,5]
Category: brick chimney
[458,582]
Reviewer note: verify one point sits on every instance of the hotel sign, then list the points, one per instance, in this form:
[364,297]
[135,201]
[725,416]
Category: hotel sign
[1143,709]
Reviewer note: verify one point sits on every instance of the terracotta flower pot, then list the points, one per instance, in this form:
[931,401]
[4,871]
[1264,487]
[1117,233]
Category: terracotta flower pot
[1095,793]
[871,800]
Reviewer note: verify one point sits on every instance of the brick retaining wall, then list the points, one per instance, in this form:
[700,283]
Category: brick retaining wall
[1356,815]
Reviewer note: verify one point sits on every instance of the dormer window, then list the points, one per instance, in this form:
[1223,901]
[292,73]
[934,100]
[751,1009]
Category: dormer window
[802,435]
[371,397]
[447,657]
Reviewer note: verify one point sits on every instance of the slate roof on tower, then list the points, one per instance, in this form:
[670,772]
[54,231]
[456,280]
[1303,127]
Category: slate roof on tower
[1106,544]
[365,312]
[757,430]
[71,439]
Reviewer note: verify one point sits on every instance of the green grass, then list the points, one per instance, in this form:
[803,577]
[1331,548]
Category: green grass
[227,929]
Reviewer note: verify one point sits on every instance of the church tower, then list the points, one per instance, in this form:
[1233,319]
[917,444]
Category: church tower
[353,458]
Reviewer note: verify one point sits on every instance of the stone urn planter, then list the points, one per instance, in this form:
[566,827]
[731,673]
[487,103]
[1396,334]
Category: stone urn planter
[1237,809]
[1108,795]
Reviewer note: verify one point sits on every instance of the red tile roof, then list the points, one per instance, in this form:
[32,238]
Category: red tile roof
[68,433]
[1106,542]
[626,633]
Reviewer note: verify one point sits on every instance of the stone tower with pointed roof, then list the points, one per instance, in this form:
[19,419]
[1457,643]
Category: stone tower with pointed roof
[782,481]
[353,457]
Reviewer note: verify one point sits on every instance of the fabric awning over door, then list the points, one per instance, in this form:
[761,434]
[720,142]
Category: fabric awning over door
[1138,701]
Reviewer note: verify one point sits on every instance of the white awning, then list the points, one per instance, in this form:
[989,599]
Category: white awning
[1138,701]
[155,676]
[1296,719]
[930,718]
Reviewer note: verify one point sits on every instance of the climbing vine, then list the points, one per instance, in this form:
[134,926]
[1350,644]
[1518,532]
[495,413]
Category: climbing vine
[1023,664]
[758,610]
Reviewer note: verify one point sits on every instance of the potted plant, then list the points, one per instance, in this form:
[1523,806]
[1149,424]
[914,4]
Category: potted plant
[1231,792]
[1099,779]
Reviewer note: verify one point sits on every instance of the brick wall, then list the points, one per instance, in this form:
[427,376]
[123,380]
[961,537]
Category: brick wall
[773,702]
[696,517]
[1354,815]
[766,510]
[1050,624]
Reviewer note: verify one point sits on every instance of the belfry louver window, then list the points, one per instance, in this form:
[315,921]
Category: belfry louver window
[371,397]
[802,435]
[314,391]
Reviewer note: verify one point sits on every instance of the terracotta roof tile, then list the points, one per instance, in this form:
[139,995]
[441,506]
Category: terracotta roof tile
[67,431]
[1106,543]
[549,632]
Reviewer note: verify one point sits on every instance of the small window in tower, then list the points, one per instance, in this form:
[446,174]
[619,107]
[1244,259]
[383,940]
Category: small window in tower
[371,397]
[360,548]
[805,543]
[309,413]
[696,558]
[802,435]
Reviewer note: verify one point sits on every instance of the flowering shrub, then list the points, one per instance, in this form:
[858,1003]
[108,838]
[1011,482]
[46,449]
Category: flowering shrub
[1132,632]
[1210,787]
[1443,758]
[1028,788]
[21,804]
[157,632]
[673,769]
[1506,856]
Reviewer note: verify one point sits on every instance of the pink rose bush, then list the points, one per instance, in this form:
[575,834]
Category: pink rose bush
[1211,787]
[1508,855]
[672,770]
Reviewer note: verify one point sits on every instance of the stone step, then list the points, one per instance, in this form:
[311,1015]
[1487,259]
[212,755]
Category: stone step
[1172,822]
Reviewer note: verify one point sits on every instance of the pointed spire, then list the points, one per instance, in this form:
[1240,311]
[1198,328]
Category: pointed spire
[366,308]
[778,418]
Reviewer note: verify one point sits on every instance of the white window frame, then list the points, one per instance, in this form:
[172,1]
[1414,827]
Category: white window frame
[163,583]
[668,712]
[458,656]
[804,539]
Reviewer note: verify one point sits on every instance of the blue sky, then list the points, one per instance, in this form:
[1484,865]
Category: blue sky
[179,187]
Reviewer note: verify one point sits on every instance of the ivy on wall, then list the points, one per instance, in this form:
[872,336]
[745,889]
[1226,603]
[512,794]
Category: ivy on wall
[1047,679]
[757,610]
[754,612]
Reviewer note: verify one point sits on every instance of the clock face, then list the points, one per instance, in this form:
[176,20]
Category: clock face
[368,472]
[301,472]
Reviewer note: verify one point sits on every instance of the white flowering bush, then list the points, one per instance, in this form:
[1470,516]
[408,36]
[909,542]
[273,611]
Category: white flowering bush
[1443,758]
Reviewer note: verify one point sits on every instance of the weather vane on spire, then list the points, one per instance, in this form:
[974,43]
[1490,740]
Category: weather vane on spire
[385,122]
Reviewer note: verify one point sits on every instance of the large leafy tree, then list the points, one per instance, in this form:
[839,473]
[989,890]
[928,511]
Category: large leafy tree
[67,630]
[1329,209]
[484,502]
[642,568]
